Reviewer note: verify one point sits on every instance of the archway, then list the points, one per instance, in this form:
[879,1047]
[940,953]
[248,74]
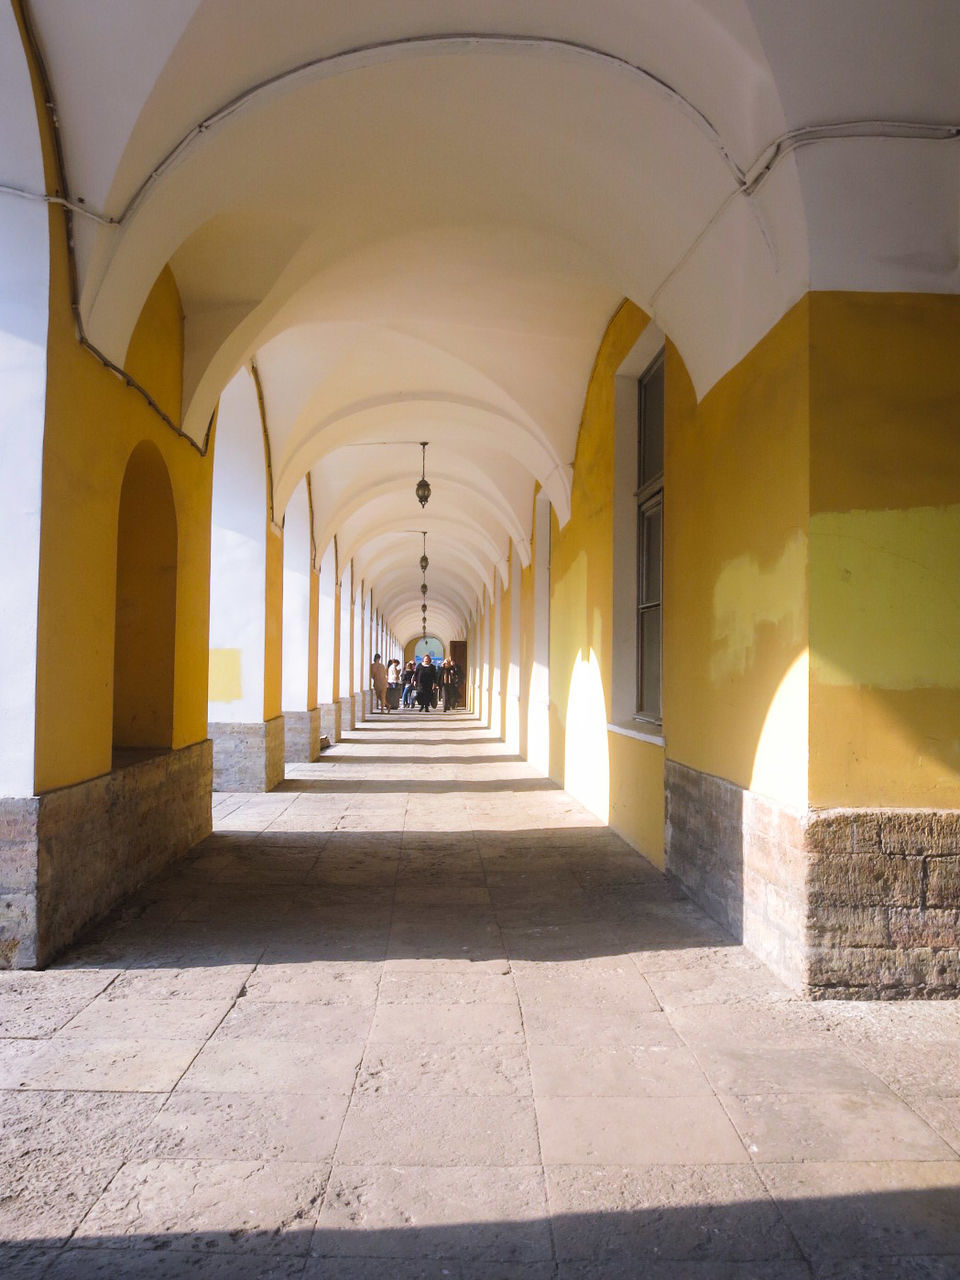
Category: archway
[146,607]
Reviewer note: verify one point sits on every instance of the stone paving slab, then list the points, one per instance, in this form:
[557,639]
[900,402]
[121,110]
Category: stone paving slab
[418,1015]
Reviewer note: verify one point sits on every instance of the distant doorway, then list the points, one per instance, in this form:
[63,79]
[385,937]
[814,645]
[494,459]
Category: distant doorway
[431,645]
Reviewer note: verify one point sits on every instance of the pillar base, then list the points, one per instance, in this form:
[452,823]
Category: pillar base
[68,856]
[851,903]
[301,736]
[360,708]
[330,721]
[248,757]
[346,714]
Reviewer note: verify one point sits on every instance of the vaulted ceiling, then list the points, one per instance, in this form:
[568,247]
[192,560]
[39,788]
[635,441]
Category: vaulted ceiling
[418,217]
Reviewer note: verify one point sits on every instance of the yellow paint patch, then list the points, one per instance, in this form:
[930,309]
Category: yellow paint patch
[226,679]
[746,597]
[886,607]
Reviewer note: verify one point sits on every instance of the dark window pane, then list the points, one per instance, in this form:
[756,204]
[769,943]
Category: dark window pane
[651,425]
[649,683]
[652,536]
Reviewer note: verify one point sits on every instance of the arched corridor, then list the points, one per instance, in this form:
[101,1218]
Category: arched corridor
[417,1012]
[608,352]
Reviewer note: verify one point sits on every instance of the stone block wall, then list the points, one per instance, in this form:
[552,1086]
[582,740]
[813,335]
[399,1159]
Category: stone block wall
[346,714]
[248,757]
[68,856]
[330,721]
[858,903]
[301,736]
[359,708]
[741,857]
[18,882]
[884,903]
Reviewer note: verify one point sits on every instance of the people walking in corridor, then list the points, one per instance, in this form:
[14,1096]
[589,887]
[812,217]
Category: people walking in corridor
[409,687]
[378,675]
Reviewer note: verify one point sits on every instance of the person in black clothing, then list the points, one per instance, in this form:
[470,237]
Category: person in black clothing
[450,682]
[426,683]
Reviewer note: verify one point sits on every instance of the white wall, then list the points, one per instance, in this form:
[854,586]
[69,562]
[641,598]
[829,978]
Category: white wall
[346,586]
[238,546]
[24,301]
[538,712]
[296,600]
[326,629]
[496,674]
[512,724]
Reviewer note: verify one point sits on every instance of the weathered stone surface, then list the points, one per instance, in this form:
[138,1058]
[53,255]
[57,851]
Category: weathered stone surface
[248,757]
[94,842]
[330,721]
[741,857]
[870,894]
[347,721]
[301,734]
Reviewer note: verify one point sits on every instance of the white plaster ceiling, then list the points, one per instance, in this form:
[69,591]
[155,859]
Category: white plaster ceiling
[418,218]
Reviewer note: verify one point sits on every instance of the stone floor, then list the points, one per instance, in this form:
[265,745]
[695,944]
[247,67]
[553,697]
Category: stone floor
[417,1014]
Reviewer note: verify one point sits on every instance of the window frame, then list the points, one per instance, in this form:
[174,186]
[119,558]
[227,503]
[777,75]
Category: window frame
[649,497]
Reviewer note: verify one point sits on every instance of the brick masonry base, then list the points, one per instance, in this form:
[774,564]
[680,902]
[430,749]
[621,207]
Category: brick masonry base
[859,904]
[68,856]
[301,736]
[248,757]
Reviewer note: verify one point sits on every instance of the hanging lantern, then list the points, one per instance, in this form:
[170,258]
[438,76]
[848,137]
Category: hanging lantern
[424,562]
[423,485]
[423,588]
[423,610]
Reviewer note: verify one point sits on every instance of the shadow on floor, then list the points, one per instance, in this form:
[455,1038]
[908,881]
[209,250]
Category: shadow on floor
[354,895]
[910,1234]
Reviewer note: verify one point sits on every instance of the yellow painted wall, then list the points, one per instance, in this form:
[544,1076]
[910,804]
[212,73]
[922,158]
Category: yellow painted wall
[618,778]
[226,675]
[273,625]
[736,494]
[885,550]
[93,424]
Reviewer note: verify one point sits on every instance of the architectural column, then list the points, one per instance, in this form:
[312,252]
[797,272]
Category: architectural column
[328,645]
[511,728]
[345,650]
[301,715]
[246,601]
[538,710]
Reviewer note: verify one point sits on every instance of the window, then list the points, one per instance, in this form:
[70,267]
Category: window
[649,495]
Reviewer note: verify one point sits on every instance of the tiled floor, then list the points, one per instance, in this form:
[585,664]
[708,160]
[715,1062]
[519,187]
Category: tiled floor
[418,1015]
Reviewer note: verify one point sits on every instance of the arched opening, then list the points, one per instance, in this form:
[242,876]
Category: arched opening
[146,608]
[425,645]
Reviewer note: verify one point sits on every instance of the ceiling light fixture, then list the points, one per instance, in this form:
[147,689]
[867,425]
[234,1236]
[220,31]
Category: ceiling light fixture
[423,485]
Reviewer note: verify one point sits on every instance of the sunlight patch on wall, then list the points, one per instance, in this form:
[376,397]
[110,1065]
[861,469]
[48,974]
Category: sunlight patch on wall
[586,752]
[780,763]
